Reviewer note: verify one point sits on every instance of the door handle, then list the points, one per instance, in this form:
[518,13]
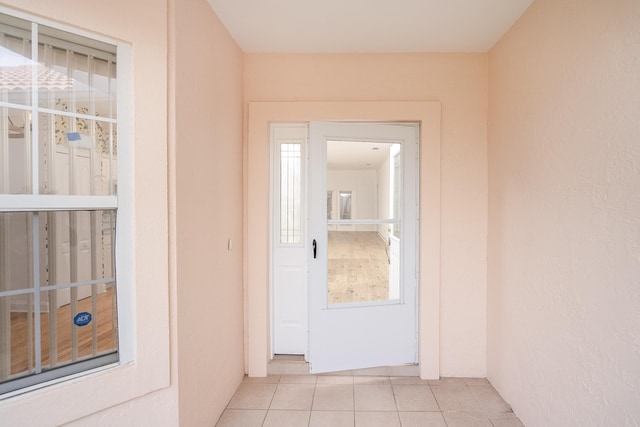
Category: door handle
[315,248]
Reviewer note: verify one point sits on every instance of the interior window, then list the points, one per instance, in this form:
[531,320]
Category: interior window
[345,204]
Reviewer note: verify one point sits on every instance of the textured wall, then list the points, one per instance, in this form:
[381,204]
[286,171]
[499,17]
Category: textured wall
[207,168]
[139,391]
[459,82]
[564,214]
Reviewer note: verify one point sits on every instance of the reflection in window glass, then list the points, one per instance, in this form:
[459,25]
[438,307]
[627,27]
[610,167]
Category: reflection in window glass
[81,77]
[71,316]
[397,185]
[57,267]
[16,64]
[345,204]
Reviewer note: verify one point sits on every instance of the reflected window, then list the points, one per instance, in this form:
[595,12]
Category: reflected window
[397,185]
[345,204]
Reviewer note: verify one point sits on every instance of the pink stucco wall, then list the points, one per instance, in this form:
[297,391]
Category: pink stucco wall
[207,207]
[564,209]
[187,164]
[459,83]
[144,27]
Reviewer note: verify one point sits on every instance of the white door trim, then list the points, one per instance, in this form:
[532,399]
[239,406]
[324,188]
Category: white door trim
[257,227]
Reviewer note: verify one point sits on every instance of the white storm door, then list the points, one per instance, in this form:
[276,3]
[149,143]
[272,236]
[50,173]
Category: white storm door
[357,318]
[289,239]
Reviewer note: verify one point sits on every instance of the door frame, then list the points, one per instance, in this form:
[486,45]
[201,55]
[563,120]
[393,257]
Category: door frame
[257,223]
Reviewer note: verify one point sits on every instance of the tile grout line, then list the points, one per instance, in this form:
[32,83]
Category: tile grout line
[271,401]
[438,404]
[393,393]
[313,397]
[353,384]
[434,398]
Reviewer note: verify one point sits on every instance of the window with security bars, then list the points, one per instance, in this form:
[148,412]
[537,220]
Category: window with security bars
[58,203]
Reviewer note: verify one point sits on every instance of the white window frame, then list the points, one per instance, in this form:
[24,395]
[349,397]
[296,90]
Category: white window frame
[123,203]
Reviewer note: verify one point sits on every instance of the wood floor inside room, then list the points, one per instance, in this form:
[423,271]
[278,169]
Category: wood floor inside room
[58,344]
[358,267]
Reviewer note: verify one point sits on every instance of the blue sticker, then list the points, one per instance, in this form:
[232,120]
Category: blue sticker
[82,319]
[73,136]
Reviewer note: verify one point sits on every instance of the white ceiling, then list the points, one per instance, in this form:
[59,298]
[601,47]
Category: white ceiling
[298,26]
[356,155]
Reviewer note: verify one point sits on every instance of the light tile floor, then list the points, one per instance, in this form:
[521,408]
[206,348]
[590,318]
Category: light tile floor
[366,401]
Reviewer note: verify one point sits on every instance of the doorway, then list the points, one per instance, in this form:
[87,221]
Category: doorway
[257,198]
[344,266]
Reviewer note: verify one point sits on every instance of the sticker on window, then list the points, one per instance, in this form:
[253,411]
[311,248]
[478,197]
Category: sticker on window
[82,319]
[79,140]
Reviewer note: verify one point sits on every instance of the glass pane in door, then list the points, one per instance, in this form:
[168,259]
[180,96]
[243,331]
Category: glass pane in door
[290,193]
[361,268]
[358,267]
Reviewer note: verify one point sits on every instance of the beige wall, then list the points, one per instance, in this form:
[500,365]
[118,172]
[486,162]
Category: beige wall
[564,209]
[187,82]
[207,168]
[145,387]
[459,82]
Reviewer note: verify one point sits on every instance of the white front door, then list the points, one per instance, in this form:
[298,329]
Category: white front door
[362,262]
